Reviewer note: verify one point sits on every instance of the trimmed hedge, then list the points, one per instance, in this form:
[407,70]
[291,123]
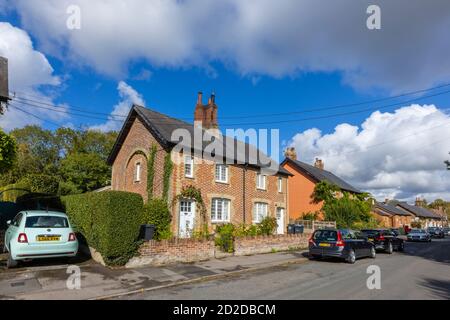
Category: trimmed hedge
[109,221]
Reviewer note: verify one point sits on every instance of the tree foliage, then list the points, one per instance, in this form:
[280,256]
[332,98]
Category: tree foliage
[348,210]
[65,161]
[8,151]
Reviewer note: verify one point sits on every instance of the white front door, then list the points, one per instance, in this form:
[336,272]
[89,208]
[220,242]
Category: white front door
[280,221]
[187,215]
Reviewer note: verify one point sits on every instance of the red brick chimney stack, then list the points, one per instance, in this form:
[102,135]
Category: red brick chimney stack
[206,115]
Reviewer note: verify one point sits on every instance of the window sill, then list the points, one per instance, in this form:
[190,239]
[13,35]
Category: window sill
[219,221]
[189,177]
[222,182]
[261,189]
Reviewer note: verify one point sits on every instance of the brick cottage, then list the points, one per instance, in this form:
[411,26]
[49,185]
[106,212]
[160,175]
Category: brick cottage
[236,192]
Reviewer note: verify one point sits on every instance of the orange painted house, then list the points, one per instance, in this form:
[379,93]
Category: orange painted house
[301,185]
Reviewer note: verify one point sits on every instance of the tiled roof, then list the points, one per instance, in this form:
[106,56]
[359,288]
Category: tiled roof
[322,175]
[389,209]
[418,211]
[162,126]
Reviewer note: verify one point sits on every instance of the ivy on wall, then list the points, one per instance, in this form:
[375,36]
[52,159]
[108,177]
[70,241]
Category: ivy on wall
[168,166]
[151,170]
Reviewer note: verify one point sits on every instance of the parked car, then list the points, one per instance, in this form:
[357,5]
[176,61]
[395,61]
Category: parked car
[340,243]
[447,231]
[436,232]
[395,231]
[39,234]
[419,235]
[384,240]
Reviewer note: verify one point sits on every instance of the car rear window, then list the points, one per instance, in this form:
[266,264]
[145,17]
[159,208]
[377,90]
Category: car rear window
[46,222]
[369,232]
[325,235]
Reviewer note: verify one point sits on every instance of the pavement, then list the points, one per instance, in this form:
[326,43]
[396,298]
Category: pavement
[422,271]
[47,279]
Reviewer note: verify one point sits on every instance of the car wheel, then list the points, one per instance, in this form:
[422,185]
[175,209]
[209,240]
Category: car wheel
[401,246]
[351,258]
[373,253]
[11,263]
[389,249]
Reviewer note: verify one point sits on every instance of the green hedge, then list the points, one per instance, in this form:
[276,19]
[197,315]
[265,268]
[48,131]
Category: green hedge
[109,221]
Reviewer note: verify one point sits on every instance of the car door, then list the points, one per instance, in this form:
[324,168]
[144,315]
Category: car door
[358,240]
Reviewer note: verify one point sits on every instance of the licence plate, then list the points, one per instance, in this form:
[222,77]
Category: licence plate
[324,245]
[48,238]
[370,239]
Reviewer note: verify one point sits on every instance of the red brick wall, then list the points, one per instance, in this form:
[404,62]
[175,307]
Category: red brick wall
[204,178]
[173,251]
[136,148]
[266,244]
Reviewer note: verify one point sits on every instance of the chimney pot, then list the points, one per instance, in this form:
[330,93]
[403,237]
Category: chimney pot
[200,98]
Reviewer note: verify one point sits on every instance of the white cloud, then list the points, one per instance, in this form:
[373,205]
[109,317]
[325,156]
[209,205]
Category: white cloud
[128,97]
[28,71]
[399,154]
[254,37]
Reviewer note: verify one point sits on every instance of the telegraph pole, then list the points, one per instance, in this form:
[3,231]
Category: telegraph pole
[4,88]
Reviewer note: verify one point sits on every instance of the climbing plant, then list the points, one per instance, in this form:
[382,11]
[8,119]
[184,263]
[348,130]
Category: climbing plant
[168,166]
[151,170]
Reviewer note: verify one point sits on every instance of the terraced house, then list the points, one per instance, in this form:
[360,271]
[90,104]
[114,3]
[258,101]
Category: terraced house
[233,191]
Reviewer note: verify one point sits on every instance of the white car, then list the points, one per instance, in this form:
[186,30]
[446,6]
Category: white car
[39,234]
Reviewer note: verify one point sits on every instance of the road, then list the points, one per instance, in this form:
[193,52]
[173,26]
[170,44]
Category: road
[421,272]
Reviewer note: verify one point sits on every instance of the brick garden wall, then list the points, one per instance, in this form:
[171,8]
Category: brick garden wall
[192,250]
[173,251]
[266,244]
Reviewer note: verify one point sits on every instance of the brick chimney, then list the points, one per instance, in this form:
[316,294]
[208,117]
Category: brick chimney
[290,153]
[419,202]
[206,114]
[319,164]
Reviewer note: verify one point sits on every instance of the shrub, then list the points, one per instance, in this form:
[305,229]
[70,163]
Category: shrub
[310,215]
[157,212]
[42,183]
[109,221]
[243,230]
[371,224]
[416,224]
[225,237]
[267,226]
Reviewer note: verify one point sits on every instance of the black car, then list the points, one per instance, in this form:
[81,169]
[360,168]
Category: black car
[340,243]
[436,232]
[384,240]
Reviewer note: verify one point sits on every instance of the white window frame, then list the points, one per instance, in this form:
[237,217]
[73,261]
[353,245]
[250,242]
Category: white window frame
[280,184]
[220,176]
[217,203]
[189,162]
[258,211]
[260,178]
[137,173]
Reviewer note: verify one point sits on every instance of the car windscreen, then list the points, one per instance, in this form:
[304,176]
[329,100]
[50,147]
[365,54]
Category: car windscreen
[46,222]
[325,235]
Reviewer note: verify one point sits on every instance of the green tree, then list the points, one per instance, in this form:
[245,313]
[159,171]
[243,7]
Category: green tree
[82,172]
[8,151]
[348,210]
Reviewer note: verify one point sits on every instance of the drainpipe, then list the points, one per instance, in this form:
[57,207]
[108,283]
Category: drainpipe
[244,173]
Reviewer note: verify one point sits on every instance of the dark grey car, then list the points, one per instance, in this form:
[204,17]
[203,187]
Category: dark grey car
[340,243]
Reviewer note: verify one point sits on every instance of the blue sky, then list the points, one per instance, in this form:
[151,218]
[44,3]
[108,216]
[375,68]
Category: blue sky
[257,63]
